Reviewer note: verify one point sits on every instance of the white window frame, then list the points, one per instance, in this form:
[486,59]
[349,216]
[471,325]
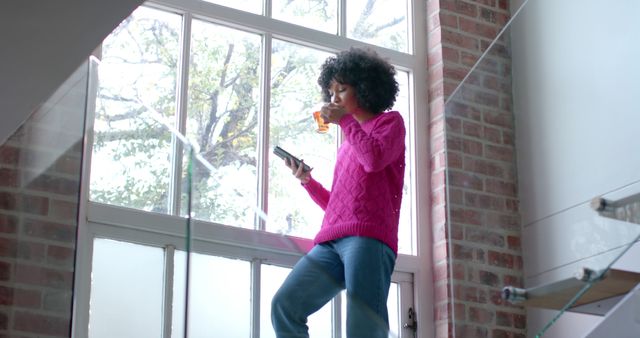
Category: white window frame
[412,272]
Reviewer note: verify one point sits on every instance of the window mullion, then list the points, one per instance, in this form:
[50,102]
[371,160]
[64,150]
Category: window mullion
[411,28]
[182,92]
[255,297]
[268,8]
[342,32]
[263,130]
[342,18]
[336,315]
[167,308]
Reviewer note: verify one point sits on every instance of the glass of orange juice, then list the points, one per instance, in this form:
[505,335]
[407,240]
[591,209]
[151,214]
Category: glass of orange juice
[323,126]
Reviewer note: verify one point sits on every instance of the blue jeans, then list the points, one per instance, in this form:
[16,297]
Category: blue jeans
[361,265]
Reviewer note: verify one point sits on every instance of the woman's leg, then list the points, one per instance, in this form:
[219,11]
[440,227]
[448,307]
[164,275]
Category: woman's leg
[368,265]
[314,280]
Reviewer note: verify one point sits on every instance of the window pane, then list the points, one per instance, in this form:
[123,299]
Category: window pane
[315,14]
[223,121]
[406,232]
[393,303]
[220,297]
[272,277]
[131,152]
[294,94]
[126,290]
[252,6]
[379,22]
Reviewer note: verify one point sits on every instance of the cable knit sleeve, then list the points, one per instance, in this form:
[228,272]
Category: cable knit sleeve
[382,146]
[318,193]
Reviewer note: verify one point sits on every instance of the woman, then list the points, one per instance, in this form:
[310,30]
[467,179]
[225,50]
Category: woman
[357,244]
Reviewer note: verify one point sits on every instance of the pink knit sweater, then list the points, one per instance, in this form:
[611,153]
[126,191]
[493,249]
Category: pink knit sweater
[367,183]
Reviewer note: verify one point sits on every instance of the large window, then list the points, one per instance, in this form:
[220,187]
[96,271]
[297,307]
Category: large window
[192,97]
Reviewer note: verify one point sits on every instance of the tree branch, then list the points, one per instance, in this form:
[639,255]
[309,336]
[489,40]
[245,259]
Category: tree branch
[150,133]
[213,119]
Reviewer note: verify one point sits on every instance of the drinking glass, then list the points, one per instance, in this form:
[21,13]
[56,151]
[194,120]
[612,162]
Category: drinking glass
[323,126]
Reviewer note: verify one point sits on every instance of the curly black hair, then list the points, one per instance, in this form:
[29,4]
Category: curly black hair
[372,77]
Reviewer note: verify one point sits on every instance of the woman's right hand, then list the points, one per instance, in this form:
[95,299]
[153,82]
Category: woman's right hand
[298,171]
[332,113]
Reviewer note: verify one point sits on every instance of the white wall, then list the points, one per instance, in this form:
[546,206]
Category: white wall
[576,87]
[43,42]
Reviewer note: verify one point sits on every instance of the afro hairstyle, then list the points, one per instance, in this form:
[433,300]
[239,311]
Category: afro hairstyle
[372,77]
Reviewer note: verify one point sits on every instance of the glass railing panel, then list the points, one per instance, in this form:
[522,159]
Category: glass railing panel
[131,158]
[223,195]
[537,129]
[40,170]
[571,108]
[483,220]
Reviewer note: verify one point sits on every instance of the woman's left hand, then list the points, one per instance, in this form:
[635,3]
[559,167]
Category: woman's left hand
[298,171]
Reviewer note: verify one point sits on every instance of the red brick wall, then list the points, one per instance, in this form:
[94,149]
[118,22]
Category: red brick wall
[476,227]
[38,222]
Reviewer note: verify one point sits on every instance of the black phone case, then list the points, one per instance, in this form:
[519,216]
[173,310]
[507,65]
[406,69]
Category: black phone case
[283,154]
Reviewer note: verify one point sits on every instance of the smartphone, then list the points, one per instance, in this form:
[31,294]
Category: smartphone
[283,154]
